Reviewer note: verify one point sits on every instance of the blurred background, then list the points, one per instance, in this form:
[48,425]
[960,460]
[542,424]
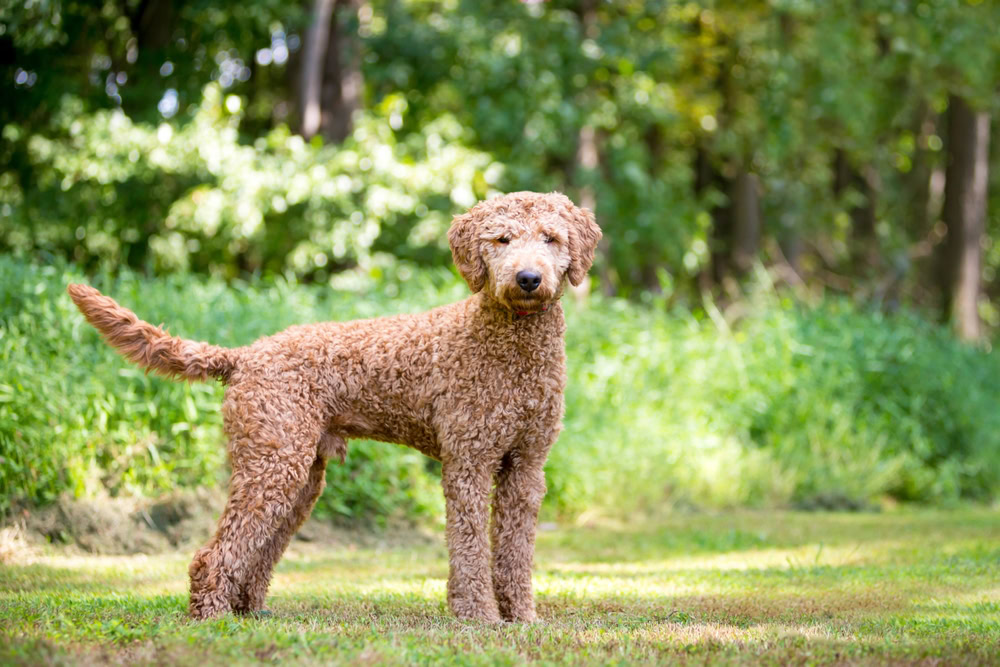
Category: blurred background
[794,303]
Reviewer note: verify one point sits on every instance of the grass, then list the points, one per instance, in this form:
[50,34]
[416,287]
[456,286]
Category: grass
[733,587]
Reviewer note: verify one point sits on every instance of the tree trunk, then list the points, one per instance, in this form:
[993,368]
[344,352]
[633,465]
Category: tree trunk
[706,176]
[587,159]
[745,206]
[343,83]
[964,214]
[313,57]
[863,242]
[736,224]
[587,154]
[331,84]
[152,24]
[918,181]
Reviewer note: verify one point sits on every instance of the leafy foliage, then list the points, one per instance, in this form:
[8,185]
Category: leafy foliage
[199,199]
[159,139]
[792,405]
[74,417]
[196,166]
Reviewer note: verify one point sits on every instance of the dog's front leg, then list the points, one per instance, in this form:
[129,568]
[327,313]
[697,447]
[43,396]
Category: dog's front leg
[466,491]
[518,497]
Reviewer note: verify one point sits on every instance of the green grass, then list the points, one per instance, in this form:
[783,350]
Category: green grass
[743,587]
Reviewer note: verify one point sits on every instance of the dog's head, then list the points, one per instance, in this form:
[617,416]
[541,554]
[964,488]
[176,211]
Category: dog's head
[521,246]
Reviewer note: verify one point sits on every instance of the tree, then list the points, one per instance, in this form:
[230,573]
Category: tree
[965,215]
[709,135]
[332,84]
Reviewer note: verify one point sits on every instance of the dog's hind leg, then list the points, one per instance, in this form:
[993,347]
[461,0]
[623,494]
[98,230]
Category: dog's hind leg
[254,590]
[266,484]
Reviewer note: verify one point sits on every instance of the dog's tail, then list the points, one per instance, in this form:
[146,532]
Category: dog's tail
[148,346]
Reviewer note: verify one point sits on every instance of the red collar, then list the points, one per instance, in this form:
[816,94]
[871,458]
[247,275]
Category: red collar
[521,314]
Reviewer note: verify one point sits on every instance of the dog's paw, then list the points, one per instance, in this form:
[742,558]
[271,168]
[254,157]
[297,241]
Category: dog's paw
[481,614]
[527,616]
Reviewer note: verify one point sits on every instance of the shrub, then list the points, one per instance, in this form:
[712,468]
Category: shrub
[793,405]
[199,196]
[75,416]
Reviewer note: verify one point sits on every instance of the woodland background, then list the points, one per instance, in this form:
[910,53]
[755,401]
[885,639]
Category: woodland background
[794,304]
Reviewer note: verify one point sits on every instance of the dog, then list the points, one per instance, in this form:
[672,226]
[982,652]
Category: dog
[477,385]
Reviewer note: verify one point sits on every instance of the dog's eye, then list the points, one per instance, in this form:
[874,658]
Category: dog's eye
[503,239]
[549,239]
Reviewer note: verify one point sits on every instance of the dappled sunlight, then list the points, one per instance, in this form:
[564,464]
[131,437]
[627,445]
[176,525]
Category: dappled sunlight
[111,566]
[983,597]
[699,633]
[137,574]
[886,593]
[777,374]
[752,559]
[339,582]
[596,586]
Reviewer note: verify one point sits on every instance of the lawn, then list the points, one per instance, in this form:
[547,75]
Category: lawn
[732,587]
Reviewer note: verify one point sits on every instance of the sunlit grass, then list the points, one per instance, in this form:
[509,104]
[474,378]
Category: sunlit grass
[738,587]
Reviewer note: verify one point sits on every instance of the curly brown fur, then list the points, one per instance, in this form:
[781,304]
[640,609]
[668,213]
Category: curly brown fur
[477,385]
[150,347]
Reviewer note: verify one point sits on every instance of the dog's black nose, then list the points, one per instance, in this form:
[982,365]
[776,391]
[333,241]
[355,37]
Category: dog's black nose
[528,280]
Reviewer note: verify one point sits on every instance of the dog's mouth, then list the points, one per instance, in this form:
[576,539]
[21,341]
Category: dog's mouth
[524,312]
[523,304]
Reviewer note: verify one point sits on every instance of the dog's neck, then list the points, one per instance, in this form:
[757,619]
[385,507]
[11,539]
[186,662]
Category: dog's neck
[540,328]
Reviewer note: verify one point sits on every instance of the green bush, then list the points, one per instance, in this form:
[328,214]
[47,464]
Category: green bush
[792,405]
[200,197]
[75,416]
[800,405]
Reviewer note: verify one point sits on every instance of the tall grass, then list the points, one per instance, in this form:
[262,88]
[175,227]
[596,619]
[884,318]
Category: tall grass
[793,405]
[808,406]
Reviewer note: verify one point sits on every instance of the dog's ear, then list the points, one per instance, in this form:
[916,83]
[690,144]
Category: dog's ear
[464,241]
[583,237]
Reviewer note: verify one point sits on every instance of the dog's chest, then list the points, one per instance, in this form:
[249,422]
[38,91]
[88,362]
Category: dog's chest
[508,382]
